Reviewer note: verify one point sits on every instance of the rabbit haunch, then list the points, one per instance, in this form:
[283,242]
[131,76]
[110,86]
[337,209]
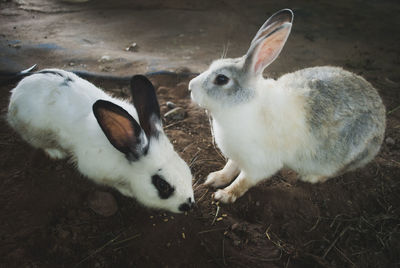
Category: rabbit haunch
[319,121]
[111,141]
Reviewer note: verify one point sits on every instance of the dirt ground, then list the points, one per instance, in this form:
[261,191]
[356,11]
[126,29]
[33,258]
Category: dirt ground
[47,219]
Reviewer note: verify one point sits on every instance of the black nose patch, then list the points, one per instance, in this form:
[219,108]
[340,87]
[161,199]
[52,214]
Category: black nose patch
[186,206]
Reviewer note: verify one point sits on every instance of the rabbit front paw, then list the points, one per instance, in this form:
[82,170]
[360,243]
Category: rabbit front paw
[216,179]
[232,192]
[224,176]
[224,196]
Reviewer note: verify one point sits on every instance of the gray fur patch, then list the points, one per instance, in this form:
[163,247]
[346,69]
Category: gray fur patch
[345,114]
[236,93]
[66,81]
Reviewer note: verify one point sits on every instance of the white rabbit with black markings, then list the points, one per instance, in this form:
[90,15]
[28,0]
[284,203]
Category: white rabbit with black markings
[111,141]
[319,122]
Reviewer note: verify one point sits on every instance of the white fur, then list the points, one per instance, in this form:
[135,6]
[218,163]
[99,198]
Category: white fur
[263,125]
[241,130]
[58,118]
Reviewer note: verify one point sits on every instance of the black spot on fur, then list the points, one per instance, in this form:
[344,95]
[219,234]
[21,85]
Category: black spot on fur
[165,190]
[66,81]
[187,205]
[51,72]
[184,207]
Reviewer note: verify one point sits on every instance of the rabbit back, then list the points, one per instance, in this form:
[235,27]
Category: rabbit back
[52,110]
[345,118]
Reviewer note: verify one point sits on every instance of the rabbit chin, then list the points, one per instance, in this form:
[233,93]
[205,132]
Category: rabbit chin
[197,97]
[197,93]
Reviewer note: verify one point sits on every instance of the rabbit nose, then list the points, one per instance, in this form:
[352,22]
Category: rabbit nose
[187,205]
[192,84]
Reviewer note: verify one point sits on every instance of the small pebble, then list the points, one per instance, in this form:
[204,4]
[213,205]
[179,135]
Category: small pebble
[170,105]
[103,203]
[234,226]
[106,69]
[105,58]
[177,113]
[132,47]
[181,90]
[390,141]
[163,90]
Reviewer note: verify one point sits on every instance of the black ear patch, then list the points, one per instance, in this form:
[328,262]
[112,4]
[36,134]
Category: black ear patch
[165,190]
[146,104]
[120,128]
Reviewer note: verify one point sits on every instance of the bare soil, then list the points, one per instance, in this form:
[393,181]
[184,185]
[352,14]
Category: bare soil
[349,221]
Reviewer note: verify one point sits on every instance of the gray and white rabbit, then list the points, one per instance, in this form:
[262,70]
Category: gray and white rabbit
[111,141]
[319,122]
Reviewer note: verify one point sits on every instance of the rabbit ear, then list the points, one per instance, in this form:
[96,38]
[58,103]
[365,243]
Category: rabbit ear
[268,43]
[121,129]
[273,22]
[146,104]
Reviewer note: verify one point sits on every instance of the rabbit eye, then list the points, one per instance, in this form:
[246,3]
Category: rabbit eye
[221,80]
[164,189]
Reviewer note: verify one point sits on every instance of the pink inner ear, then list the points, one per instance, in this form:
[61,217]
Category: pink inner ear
[270,49]
[119,128]
[262,55]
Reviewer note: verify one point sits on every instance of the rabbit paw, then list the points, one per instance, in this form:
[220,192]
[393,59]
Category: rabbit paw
[314,178]
[224,196]
[216,179]
[55,153]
